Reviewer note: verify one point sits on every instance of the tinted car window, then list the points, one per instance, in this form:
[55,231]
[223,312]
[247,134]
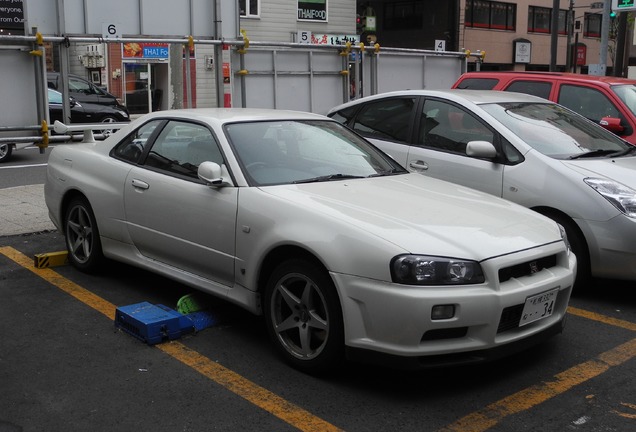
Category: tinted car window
[478,83]
[387,119]
[536,88]
[449,128]
[588,102]
[132,147]
[181,147]
[344,115]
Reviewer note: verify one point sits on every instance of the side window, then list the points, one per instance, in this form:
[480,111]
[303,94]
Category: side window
[133,146]
[536,88]
[181,147]
[80,86]
[449,128]
[588,102]
[344,116]
[388,119]
[478,83]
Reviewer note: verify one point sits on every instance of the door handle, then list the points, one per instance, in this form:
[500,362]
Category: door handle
[138,184]
[418,165]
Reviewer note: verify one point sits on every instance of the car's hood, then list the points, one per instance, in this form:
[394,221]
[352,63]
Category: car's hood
[622,169]
[424,215]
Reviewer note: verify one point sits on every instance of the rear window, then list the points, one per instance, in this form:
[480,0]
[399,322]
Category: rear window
[478,83]
[536,88]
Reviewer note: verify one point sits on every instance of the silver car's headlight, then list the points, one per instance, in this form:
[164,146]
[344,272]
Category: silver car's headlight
[431,270]
[621,196]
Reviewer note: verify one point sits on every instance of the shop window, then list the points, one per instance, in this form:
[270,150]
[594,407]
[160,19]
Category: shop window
[249,8]
[491,15]
[540,20]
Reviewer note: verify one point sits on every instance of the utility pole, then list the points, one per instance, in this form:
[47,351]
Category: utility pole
[621,44]
[554,33]
[605,30]
[570,53]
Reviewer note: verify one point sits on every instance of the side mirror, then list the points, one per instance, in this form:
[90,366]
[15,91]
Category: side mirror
[213,174]
[72,101]
[481,149]
[612,124]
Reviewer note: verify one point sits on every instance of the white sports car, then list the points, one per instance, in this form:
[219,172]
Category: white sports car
[293,216]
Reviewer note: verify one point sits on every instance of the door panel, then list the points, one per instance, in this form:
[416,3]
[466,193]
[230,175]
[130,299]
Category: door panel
[440,149]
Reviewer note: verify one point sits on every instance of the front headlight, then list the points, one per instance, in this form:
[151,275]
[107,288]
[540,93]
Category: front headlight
[564,236]
[431,270]
[123,113]
[621,196]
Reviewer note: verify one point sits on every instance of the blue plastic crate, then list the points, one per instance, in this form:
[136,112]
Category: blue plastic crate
[152,323]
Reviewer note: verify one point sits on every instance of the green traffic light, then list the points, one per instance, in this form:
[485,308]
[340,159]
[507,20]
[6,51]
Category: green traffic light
[612,14]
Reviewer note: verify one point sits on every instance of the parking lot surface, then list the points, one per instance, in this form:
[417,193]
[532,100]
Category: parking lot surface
[65,366]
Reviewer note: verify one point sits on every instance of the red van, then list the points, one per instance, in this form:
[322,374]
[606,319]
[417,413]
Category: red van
[609,101]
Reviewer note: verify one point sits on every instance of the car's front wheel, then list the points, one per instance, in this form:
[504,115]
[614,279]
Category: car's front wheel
[108,119]
[304,317]
[5,152]
[82,236]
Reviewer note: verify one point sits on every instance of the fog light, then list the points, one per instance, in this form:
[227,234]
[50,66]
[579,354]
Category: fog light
[440,312]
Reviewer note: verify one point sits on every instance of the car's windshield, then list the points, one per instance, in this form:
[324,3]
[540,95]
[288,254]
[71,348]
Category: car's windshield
[295,151]
[556,131]
[627,93]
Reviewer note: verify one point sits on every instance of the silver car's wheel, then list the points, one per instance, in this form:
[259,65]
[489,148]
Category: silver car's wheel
[304,317]
[5,152]
[82,236]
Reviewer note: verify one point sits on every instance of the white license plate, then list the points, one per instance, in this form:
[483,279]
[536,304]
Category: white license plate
[538,307]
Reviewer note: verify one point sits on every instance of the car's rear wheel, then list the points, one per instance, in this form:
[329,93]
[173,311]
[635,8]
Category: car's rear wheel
[5,152]
[82,236]
[304,317]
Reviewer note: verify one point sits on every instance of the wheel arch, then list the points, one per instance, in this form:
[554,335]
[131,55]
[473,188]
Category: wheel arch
[279,255]
[584,261]
[69,196]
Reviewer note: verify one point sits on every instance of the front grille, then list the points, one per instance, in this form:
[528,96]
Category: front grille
[510,318]
[527,268]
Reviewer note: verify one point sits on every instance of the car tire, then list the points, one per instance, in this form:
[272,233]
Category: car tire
[5,152]
[579,248]
[304,317]
[82,236]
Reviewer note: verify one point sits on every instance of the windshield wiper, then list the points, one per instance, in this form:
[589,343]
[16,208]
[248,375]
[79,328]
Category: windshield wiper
[631,149]
[593,153]
[393,171]
[328,178]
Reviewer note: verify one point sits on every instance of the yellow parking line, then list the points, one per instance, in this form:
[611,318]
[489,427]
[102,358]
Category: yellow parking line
[602,318]
[257,395]
[525,399]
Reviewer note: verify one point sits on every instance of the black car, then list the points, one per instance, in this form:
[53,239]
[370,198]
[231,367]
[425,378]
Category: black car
[84,91]
[82,112]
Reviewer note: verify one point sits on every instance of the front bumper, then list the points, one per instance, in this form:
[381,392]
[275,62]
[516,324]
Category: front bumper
[395,320]
[612,246]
